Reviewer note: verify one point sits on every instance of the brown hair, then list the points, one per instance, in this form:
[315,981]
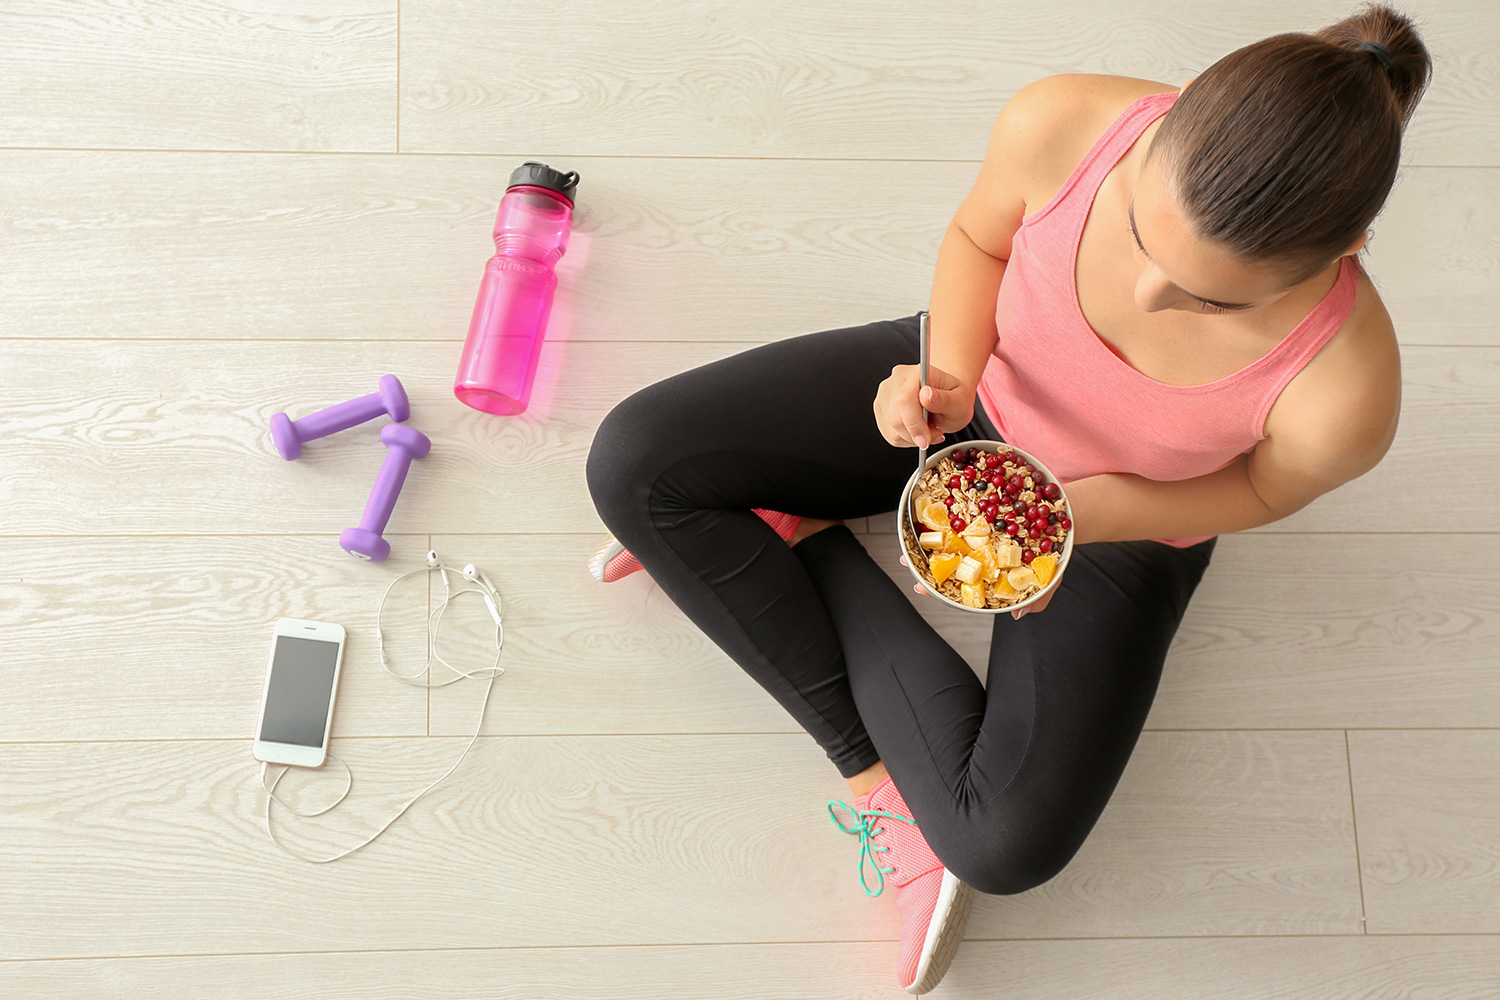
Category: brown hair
[1284,151]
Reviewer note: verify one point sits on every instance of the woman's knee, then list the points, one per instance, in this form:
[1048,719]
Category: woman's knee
[619,471]
[1006,865]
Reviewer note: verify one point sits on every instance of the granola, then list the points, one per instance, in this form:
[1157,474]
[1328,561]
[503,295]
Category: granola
[993,528]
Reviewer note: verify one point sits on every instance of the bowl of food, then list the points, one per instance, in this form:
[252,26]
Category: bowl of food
[993,530]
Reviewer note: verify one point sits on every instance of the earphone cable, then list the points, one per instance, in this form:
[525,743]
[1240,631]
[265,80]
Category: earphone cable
[434,622]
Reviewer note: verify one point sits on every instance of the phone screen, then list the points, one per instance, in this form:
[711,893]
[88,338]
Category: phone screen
[299,691]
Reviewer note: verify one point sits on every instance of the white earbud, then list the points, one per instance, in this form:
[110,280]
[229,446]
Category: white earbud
[487,590]
[433,562]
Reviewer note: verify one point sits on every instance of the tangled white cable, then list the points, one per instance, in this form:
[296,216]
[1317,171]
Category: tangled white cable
[491,596]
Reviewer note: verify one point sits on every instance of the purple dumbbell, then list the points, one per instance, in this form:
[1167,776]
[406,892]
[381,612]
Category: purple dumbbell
[405,444]
[290,434]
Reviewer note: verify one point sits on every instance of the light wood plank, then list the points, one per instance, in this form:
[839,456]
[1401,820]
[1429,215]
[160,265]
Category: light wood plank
[97,630]
[169,637]
[197,455]
[582,657]
[110,438]
[191,74]
[244,246]
[1426,807]
[1362,641]
[157,848]
[1291,968]
[894,80]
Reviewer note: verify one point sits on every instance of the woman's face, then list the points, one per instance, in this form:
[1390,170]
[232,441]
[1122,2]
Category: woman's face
[1180,272]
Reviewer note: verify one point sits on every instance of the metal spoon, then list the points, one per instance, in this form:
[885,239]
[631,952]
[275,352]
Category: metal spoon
[923,348]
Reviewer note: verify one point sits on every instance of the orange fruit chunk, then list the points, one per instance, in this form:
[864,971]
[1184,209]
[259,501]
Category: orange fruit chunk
[943,564]
[990,566]
[1003,589]
[934,515]
[973,593]
[1044,567]
[953,542]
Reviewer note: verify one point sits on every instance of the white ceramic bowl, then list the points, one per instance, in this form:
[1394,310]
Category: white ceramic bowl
[933,457]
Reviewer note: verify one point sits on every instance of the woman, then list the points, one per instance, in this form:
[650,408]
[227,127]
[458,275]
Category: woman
[1224,362]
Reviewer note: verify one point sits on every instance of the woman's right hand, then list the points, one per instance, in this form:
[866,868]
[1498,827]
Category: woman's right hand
[899,402]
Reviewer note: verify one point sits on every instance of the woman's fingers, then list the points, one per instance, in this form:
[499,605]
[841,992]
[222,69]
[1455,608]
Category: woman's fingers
[910,413]
[916,586]
[946,400]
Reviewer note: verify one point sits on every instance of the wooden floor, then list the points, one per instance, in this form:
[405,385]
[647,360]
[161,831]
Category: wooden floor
[214,211]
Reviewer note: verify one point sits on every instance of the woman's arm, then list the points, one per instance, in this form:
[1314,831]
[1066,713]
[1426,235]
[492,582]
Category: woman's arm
[964,289]
[1321,434]
[972,259]
[1122,507]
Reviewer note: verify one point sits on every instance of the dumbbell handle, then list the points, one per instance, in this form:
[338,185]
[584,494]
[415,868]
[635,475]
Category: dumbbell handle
[342,416]
[392,475]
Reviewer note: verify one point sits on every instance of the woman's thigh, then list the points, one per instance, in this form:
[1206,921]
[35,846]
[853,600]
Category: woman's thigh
[787,426]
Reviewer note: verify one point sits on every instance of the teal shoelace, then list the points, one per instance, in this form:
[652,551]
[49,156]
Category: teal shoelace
[864,825]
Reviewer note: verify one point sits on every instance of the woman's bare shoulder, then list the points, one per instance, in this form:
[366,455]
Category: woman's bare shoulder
[1078,109]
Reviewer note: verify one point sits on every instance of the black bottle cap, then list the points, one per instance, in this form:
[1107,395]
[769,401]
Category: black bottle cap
[541,175]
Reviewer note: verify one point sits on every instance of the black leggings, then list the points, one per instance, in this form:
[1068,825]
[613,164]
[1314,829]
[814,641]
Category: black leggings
[1005,782]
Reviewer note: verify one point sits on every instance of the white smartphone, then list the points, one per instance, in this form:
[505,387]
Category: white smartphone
[296,709]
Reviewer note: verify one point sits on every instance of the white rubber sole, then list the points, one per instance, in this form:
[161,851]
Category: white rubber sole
[602,554]
[944,933]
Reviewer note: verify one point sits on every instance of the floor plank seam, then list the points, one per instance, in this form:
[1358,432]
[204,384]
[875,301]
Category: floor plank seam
[712,734]
[818,942]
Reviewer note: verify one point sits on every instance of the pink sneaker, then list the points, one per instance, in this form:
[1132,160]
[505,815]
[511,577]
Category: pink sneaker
[609,561]
[933,903]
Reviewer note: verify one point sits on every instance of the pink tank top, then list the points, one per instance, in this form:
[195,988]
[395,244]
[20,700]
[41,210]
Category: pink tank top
[1055,389]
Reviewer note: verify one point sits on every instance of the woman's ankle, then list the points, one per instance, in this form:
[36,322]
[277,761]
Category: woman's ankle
[867,779]
[810,526]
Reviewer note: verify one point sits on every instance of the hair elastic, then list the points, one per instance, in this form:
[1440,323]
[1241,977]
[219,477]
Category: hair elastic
[1378,51]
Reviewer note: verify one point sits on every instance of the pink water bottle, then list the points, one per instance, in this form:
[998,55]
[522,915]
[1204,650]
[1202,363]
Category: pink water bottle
[515,297]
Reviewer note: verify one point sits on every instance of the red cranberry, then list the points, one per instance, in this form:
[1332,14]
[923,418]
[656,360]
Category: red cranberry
[1051,491]
[1034,533]
[1040,524]
[1027,556]
[1011,489]
[1010,456]
[954,483]
[1046,545]
[957,523]
[1011,529]
[948,501]
[1066,523]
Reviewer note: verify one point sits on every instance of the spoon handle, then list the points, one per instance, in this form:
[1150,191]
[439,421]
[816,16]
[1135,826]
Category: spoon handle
[924,347]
